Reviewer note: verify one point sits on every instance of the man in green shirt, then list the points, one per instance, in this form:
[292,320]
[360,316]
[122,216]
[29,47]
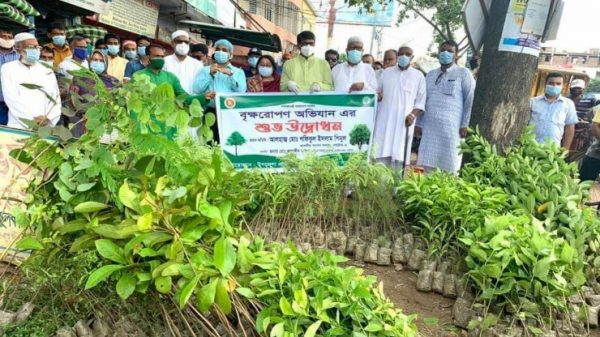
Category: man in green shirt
[306,72]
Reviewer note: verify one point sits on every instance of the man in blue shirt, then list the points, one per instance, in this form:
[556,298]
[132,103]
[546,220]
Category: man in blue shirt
[553,115]
[7,54]
[142,61]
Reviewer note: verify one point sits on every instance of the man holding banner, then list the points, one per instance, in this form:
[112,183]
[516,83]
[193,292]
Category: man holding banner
[354,75]
[404,91]
[306,72]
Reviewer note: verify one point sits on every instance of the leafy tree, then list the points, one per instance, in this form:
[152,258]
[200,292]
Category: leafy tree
[360,135]
[236,139]
[446,18]
[594,85]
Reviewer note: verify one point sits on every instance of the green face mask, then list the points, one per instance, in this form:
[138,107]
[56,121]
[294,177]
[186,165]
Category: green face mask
[157,63]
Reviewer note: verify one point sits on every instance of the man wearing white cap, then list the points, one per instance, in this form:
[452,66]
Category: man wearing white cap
[186,68]
[583,105]
[354,75]
[41,105]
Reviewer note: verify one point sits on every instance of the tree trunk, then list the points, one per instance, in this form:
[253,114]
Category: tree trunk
[501,106]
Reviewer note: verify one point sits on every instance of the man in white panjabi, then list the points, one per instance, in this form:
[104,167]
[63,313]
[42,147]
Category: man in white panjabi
[354,75]
[185,67]
[41,104]
[403,92]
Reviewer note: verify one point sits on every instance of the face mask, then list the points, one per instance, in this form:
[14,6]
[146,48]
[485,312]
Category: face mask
[253,61]
[157,63]
[130,54]
[98,67]
[403,61]
[354,56]
[307,50]
[59,40]
[182,49]
[7,44]
[113,49]
[80,53]
[105,51]
[446,57]
[221,57]
[265,71]
[552,90]
[32,55]
[142,51]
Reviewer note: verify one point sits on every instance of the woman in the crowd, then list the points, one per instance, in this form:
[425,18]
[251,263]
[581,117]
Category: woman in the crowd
[83,85]
[267,79]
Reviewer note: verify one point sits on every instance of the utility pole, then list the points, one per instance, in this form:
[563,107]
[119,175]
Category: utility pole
[331,23]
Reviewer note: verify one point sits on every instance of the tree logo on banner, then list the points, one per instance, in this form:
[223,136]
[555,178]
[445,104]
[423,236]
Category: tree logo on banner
[236,139]
[230,102]
[360,135]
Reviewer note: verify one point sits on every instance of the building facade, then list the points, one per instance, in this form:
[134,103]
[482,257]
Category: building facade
[588,61]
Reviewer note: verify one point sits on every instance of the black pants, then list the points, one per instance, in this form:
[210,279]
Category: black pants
[590,168]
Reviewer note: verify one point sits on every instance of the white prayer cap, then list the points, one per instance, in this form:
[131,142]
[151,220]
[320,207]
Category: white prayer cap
[355,39]
[179,33]
[578,83]
[24,37]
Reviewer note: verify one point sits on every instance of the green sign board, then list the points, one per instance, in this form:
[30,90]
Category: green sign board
[208,7]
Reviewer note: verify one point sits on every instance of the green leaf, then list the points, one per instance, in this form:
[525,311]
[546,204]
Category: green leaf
[90,207]
[224,256]
[101,274]
[29,243]
[277,330]
[126,285]
[110,250]
[431,321]
[187,290]
[209,211]
[206,295]
[373,327]
[144,222]
[312,329]
[286,307]
[85,187]
[246,292]
[222,297]
[127,196]
[541,268]
[163,284]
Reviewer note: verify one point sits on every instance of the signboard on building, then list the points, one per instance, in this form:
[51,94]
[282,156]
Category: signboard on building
[136,16]
[381,14]
[96,6]
[208,7]
[258,129]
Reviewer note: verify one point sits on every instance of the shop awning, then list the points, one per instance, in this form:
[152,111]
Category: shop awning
[239,37]
[10,16]
[92,32]
[21,5]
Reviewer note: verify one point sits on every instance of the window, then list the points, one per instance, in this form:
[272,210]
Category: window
[253,6]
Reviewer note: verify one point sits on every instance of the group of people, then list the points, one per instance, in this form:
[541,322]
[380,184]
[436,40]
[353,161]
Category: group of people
[436,106]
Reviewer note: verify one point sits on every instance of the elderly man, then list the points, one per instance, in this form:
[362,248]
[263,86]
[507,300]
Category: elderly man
[403,99]
[41,105]
[354,75]
[553,115]
[186,68]
[57,34]
[77,61]
[450,90]
[7,54]
[389,58]
[306,72]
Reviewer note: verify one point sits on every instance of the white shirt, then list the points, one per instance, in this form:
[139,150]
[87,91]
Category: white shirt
[344,75]
[69,65]
[186,70]
[26,103]
[402,91]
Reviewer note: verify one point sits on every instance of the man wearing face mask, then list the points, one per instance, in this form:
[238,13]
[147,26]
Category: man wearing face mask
[141,61]
[77,61]
[354,75]
[130,50]
[57,34]
[253,55]
[186,68]
[450,91]
[306,72]
[7,54]
[116,63]
[553,115]
[24,103]
[403,93]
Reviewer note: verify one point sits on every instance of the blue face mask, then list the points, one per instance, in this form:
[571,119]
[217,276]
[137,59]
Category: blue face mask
[130,54]
[221,57]
[142,51]
[105,51]
[265,71]
[98,67]
[59,40]
[553,90]
[253,61]
[113,49]
[354,56]
[403,61]
[32,55]
[446,57]
[80,53]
